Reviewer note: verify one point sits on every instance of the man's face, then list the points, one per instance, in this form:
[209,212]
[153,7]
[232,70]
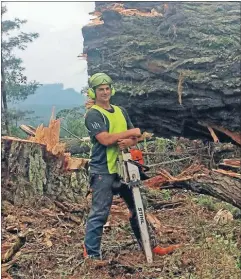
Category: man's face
[103,93]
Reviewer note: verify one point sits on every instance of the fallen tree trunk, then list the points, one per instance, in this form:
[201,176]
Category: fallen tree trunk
[173,64]
[221,184]
[218,185]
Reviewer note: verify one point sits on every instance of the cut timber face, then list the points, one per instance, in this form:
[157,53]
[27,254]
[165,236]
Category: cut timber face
[50,137]
[132,12]
[221,184]
[75,163]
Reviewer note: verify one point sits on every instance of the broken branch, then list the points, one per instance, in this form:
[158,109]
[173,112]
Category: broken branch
[20,241]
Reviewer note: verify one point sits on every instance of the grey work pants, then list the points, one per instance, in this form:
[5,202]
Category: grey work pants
[102,196]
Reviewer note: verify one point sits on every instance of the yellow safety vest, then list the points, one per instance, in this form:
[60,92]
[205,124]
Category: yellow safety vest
[117,124]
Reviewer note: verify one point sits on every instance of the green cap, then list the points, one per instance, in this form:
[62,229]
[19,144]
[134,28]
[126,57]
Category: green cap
[98,79]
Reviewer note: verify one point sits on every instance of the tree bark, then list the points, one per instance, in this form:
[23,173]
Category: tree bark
[4,100]
[173,70]
[29,172]
[218,185]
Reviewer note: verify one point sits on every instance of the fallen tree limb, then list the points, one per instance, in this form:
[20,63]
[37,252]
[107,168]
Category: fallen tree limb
[214,136]
[20,241]
[229,173]
[235,136]
[232,162]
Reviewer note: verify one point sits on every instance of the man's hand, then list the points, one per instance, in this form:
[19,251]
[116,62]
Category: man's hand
[124,143]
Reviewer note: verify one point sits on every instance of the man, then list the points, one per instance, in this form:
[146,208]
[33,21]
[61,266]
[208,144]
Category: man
[110,129]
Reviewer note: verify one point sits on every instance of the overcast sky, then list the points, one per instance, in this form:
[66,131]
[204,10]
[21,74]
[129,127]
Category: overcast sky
[52,58]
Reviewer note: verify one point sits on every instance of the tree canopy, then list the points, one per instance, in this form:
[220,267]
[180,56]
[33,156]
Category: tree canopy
[15,85]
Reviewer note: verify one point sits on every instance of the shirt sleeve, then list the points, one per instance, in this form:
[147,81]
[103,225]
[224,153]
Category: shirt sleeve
[95,123]
[128,121]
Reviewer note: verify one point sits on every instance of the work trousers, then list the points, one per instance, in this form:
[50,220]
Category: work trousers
[102,196]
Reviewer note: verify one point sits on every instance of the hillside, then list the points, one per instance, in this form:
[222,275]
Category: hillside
[46,97]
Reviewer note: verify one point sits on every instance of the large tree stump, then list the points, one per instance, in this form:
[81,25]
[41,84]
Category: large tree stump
[29,171]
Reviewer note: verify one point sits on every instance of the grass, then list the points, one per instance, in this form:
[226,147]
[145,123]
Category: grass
[213,204]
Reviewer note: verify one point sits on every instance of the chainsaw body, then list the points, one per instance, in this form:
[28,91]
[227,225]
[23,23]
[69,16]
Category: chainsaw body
[130,175]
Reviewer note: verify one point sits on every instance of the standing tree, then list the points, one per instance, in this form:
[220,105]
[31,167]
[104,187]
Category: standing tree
[14,83]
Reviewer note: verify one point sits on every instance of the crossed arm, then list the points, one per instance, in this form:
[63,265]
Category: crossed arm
[123,139]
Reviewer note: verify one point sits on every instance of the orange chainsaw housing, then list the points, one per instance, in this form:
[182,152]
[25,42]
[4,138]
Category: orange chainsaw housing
[136,155]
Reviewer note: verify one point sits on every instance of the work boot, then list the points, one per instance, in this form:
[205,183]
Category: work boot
[86,256]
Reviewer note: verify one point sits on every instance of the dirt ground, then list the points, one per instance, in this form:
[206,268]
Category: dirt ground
[54,242]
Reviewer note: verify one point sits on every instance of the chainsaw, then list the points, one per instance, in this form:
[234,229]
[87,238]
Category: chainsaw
[129,172]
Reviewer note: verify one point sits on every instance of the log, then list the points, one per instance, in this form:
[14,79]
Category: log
[183,71]
[218,185]
[29,172]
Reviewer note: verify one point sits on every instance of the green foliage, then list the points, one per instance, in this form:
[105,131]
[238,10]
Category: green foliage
[238,263]
[17,132]
[213,204]
[166,194]
[207,202]
[73,121]
[15,85]
[163,144]
[16,115]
